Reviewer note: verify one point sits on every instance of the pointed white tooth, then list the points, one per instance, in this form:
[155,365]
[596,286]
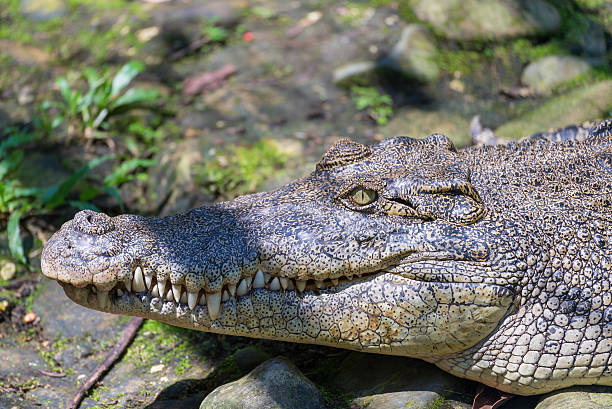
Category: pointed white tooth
[161,287]
[259,281]
[192,300]
[176,291]
[275,284]
[184,297]
[148,280]
[320,284]
[266,277]
[334,281]
[203,299]
[155,292]
[102,297]
[138,283]
[170,295]
[290,286]
[94,289]
[213,302]
[284,282]
[225,296]
[231,289]
[119,292]
[243,288]
[249,282]
[128,285]
[300,285]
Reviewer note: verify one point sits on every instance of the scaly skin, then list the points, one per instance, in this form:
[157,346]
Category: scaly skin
[494,263]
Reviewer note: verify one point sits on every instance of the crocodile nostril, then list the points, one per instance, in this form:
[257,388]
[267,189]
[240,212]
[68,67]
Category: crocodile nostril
[93,223]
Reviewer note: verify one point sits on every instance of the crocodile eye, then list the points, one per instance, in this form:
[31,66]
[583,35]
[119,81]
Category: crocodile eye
[362,196]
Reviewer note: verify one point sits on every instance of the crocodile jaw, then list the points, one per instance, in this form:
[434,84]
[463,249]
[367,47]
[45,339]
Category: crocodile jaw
[382,313]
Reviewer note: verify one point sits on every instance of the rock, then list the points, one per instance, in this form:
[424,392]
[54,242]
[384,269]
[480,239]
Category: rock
[353,71]
[578,397]
[414,54]
[7,269]
[575,107]
[276,383]
[249,357]
[396,382]
[43,10]
[420,123]
[548,72]
[586,37]
[59,314]
[488,19]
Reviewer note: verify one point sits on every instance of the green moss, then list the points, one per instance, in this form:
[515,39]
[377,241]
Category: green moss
[238,170]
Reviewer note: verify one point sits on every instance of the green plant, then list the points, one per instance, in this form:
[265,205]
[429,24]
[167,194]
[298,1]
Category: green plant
[378,106]
[89,111]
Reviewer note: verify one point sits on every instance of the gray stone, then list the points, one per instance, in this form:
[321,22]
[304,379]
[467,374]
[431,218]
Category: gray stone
[43,10]
[354,70]
[59,315]
[488,19]
[377,382]
[577,106]
[578,397]
[276,383]
[545,74]
[414,55]
[587,37]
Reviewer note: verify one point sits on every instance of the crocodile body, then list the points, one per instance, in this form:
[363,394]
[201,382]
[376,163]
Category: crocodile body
[492,262]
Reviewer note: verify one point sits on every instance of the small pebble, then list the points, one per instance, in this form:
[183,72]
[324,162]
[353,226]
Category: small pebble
[156,368]
[29,317]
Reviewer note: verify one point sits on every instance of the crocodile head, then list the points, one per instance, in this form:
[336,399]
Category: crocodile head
[493,263]
[383,248]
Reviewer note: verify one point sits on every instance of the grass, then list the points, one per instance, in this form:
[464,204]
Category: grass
[378,106]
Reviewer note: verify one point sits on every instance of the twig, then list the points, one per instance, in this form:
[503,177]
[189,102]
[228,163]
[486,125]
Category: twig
[52,374]
[111,357]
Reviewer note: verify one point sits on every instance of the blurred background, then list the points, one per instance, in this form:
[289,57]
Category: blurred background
[157,106]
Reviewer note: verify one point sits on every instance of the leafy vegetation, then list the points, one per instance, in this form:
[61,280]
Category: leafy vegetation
[378,106]
[89,111]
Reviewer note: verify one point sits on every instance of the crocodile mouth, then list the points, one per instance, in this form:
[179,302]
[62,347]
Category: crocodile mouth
[151,287]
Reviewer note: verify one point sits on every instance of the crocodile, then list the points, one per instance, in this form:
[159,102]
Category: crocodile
[493,262]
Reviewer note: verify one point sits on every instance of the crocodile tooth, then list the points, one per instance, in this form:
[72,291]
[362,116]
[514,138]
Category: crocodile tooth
[138,283]
[94,289]
[176,291]
[184,297]
[300,285]
[119,292]
[232,289]
[320,284]
[266,277]
[284,282]
[161,287]
[275,284]
[213,302]
[128,285]
[155,292]
[259,281]
[290,286]
[349,277]
[148,280]
[249,282]
[334,281]
[243,288]
[169,296]
[102,297]
[192,300]
[203,299]
[225,296]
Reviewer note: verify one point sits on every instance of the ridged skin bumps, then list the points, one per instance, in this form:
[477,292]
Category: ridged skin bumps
[493,262]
